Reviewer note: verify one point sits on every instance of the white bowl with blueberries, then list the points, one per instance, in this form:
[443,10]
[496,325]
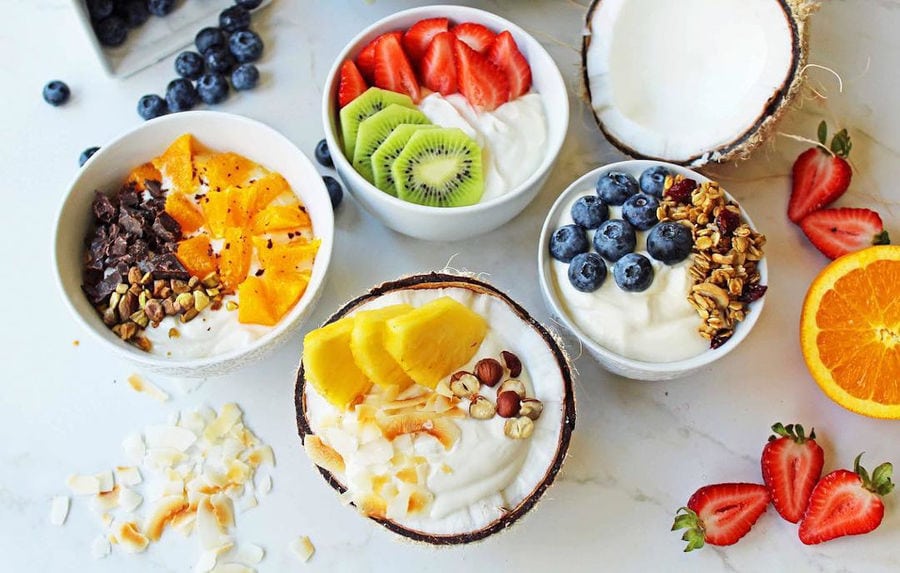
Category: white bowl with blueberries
[625,283]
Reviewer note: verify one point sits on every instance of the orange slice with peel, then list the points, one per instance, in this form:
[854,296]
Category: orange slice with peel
[850,331]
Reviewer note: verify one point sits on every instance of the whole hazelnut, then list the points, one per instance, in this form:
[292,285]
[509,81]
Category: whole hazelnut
[531,408]
[512,363]
[488,371]
[465,385]
[481,408]
[508,404]
[512,385]
[518,428]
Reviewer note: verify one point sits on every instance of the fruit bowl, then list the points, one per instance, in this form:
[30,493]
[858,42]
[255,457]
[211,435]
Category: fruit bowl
[653,332]
[450,223]
[106,171]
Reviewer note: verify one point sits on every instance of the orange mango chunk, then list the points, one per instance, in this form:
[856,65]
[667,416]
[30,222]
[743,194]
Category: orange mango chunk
[253,303]
[142,173]
[196,254]
[223,170]
[275,218]
[285,289]
[271,186]
[215,212]
[183,210]
[241,206]
[234,261]
[296,256]
[176,163]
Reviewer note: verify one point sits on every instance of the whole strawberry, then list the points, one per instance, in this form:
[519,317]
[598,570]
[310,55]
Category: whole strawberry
[791,465]
[721,514]
[820,175]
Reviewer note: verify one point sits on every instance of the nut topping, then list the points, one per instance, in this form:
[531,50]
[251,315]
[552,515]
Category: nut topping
[512,385]
[531,408]
[512,363]
[465,386]
[488,371]
[508,404]
[518,428]
[481,408]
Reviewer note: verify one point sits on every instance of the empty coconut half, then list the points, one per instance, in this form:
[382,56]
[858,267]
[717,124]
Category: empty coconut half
[692,81]
[432,454]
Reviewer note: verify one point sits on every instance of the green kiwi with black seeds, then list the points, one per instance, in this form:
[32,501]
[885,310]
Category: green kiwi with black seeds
[387,153]
[367,104]
[375,129]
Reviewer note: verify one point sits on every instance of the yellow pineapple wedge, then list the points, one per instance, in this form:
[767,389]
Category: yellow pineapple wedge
[367,345]
[328,364]
[434,340]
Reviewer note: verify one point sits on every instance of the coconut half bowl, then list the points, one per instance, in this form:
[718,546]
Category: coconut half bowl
[546,370]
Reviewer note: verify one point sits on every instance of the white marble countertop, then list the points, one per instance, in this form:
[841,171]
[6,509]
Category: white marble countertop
[639,449]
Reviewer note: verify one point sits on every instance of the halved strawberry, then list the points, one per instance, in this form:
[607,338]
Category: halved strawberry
[483,83]
[837,232]
[791,465]
[419,36]
[351,83]
[846,503]
[438,66]
[505,54]
[721,514]
[393,71]
[476,36]
[365,61]
[820,175]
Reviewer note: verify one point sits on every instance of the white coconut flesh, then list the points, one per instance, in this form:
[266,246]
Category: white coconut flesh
[688,81]
[485,475]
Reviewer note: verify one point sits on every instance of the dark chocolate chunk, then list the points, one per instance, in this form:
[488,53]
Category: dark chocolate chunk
[167,266]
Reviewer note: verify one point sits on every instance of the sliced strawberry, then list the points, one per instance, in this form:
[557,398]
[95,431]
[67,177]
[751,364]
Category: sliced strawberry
[438,66]
[393,71]
[837,232]
[483,83]
[846,503]
[505,54]
[721,514]
[820,175]
[477,37]
[791,465]
[366,58]
[419,36]
[351,83]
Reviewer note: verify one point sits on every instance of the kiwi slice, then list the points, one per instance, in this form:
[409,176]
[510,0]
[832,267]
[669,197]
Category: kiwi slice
[387,153]
[369,103]
[439,168]
[375,129]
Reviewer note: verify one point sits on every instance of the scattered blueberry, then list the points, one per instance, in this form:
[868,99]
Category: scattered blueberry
[245,77]
[653,180]
[335,191]
[587,271]
[210,38]
[633,272]
[160,7]
[99,9]
[219,60]
[568,241]
[615,187]
[111,31]
[56,92]
[180,95]
[589,212]
[212,88]
[670,242]
[189,65]
[640,211]
[245,46]
[151,106]
[234,18]
[133,12]
[323,154]
[248,4]
[86,154]
[614,239]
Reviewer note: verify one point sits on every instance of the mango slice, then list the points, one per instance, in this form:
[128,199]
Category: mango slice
[196,254]
[281,218]
[235,256]
[367,346]
[177,164]
[185,211]
[328,364]
[295,256]
[142,173]
[223,170]
[254,306]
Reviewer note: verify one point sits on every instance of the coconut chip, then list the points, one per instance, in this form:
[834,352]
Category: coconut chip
[129,499]
[83,485]
[59,509]
[250,553]
[128,475]
[134,447]
[303,548]
[145,386]
[233,568]
[264,484]
[101,547]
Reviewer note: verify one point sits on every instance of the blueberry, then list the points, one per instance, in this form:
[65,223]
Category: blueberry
[245,46]
[180,95]
[111,31]
[99,9]
[633,272]
[615,187]
[335,191]
[86,154]
[568,241]
[160,7]
[151,106]
[248,4]
[670,242]
[614,239]
[587,271]
[212,88]
[245,77]
[323,154]
[589,212]
[210,38]
[653,180]
[640,211]
[189,65]
[56,92]
[219,60]
[234,18]
[134,12]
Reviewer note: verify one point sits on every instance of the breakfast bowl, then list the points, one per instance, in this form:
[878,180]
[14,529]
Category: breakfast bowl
[511,136]
[654,268]
[441,439]
[195,243]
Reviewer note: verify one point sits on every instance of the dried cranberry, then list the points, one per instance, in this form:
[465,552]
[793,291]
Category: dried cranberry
[727,221]
[753,292]
[680,192]
[718,340]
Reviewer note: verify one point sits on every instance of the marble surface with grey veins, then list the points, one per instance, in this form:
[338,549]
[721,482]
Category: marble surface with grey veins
[639,449]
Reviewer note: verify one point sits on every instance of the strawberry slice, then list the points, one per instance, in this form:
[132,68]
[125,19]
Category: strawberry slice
[393,71]
[505,54]
[366,58]
[483,83]
[791,465]
[476,36]
[419,36]
[721,514]
[351,84]
[438,66]
[837,232]
[820,175]
[846,503]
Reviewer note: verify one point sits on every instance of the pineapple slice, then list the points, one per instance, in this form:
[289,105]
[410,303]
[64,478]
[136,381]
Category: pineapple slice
[432,341]
[367,345]
[328,364]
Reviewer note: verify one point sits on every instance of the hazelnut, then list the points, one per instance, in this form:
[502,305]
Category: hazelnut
[465,385]
[481,408]
[512,385]
[518,428]
[512,363]
[488,371]
[508,404]
[531,408]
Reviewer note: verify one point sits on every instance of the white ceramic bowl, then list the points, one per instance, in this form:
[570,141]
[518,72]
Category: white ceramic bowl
[451,223]
[616,363]
[107,169]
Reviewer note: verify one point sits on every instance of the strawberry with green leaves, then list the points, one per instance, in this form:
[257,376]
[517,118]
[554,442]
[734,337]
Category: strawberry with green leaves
[791,466]
[721,514]
[821,174]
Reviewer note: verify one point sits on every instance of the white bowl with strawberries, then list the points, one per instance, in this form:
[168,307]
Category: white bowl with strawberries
[444,121]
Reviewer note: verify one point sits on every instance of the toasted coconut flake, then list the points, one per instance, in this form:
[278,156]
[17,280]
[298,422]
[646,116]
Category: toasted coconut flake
[129,499]
[83,485]
[398,507]
[105,481]
[183,522]
[408,475]
[248,502]
[250,553]
[233,568]
[164,458]
[128,475]
[145,386]
[223,511]
[445,431]
[261,455]
[419,500]
[169,437]
[264,484]
[100,547]
[238,472]
[443,389]
[372,505]
[107,500]
[59,509]
[208,558]
[303,548]
[163,512]
[134,447]
[106,519]
[323,456]
[208,527]
[131,539]
[194,422]
[228,416]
